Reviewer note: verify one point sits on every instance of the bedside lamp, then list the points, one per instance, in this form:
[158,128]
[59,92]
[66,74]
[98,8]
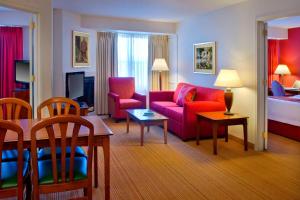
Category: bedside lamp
[228,78]
[160,65]
[282,70]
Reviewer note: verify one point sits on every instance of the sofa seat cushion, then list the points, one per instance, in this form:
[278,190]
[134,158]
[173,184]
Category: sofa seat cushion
[45,170]
[12,155]
[175,113]
[45,153]
[130,103]
[161,105]
[9,173]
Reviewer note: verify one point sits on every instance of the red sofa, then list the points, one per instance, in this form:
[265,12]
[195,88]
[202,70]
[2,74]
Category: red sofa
[122,96]
[182,120]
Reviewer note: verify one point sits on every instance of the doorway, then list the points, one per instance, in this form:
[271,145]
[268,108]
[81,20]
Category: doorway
[18,41]
[278,89]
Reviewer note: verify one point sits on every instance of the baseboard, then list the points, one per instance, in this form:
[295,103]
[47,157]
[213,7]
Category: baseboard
[241,141]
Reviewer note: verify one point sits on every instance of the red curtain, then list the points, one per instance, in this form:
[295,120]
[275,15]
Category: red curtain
[11,49]
[273,59]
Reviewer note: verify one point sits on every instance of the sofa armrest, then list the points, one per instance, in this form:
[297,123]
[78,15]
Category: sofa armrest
[160,96]
[140,97]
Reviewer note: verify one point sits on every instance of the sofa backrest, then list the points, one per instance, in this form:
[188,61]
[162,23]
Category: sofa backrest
[123,86]
[203,93]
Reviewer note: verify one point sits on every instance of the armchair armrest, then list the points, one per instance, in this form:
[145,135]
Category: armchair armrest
[161,96]
[114,96]
[141,98]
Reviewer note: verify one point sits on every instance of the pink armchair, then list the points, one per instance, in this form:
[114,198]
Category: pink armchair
[122,96]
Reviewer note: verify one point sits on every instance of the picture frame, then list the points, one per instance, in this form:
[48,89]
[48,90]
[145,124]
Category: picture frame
[205,58]
[81,49]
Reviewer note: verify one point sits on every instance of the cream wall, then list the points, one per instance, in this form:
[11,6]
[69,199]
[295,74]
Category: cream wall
[234,30]
[64,23]
[43,8]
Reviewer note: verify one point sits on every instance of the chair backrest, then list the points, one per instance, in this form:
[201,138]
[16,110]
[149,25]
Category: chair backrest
[51,127]
[277,89]
[58,106]
[11,108]
[13,127]
[123,86]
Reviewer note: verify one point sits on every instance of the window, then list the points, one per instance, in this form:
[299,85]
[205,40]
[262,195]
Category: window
[133,59]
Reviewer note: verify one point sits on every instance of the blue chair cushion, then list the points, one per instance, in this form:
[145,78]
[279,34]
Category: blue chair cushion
[45,153]
[45,170]
[9,173]
[12,155]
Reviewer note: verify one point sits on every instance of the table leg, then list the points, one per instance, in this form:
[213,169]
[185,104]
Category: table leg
[106,153]
[197,132]
[226,133]
[142,134]
[127,123]
[148,129]
[95,166]
[245,135]
[215,137]
[165,131]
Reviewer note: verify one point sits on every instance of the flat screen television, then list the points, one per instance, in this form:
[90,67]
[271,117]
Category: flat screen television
[22,73]
[74,85]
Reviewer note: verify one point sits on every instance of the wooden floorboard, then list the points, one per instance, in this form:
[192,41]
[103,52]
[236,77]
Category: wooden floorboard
[184,171]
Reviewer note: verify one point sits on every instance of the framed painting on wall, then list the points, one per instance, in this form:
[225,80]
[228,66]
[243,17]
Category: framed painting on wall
[81,46]
[205,58]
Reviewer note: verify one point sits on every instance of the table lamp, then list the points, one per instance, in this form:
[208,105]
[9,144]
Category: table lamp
[282,70]
[228,78]
[160,65]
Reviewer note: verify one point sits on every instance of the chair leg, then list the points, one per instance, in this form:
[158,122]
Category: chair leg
[96,166]
[85,193]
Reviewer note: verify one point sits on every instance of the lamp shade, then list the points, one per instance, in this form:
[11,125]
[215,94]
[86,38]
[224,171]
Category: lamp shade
[282,70]
[160,64]
[228,78]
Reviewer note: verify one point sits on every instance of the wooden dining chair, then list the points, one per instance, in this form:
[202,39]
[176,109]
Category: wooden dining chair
[60,174]
[11,108]
[61,106]
[58,106]
[13,174]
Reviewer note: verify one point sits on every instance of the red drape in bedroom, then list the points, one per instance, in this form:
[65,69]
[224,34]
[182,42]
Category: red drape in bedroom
[273,59]
[11,49]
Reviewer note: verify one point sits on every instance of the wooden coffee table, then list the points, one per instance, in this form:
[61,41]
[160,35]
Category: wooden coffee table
[147,120]
[219,118]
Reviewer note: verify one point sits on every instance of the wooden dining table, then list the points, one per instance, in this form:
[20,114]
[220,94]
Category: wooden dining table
[102,135]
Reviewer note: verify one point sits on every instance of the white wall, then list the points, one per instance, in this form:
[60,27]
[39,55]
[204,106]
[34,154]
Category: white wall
[234,30]
[44,44]
[64,23]
[26,43]
[15,18]
[110,23]
[277,33]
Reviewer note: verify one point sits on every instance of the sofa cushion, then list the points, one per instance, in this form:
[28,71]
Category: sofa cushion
[177,91]
[160,106]
[186,94]
[175,113]
[130,103]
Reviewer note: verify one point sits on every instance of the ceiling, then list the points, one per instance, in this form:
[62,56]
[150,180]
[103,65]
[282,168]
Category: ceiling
[287,22]
[156,10]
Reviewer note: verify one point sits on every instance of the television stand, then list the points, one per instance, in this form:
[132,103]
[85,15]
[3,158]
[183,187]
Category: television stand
[84,109]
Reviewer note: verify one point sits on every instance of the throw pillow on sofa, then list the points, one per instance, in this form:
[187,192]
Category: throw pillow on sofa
[186,94]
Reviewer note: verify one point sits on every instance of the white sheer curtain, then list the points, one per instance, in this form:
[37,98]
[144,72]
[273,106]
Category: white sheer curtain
[133,59]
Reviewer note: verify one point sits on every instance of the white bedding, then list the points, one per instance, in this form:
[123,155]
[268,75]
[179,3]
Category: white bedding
[284,111]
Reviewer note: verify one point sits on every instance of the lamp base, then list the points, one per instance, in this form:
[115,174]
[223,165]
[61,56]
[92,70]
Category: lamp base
[228,97]
[228,113]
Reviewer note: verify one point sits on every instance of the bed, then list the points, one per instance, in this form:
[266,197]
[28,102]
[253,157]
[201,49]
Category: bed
[284,116]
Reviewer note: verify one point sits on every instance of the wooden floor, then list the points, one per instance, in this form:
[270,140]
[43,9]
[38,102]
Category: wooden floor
[182,170]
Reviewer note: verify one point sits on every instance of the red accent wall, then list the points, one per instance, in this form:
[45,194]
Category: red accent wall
[290,55]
